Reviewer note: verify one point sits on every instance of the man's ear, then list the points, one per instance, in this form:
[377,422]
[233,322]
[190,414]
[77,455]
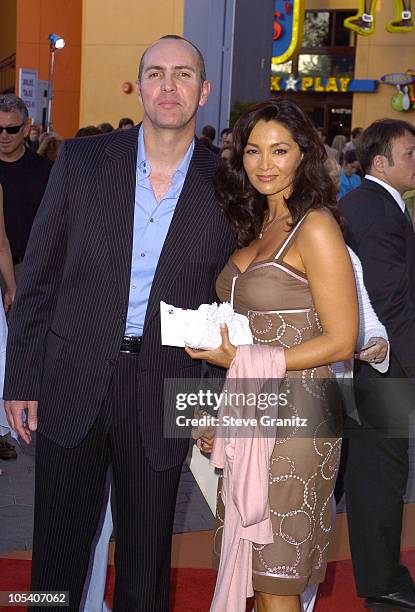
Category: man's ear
[379,163]
[205,93]
[26,128]
[138,90]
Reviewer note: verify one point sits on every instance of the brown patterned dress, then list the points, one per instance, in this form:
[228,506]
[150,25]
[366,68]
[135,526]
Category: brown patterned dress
[277,301]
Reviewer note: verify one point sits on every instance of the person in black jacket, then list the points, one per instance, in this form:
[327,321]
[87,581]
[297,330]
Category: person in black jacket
[23,176]
[379,229]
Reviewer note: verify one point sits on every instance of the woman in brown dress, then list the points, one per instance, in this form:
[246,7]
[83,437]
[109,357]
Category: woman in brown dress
[293,279]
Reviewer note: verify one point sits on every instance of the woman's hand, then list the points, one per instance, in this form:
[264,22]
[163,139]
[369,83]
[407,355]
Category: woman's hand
[205,443]
[374,351]
[203,435]
[221,356]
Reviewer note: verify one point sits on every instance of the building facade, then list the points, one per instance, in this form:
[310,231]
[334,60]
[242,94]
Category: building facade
[95,73]
[338,72]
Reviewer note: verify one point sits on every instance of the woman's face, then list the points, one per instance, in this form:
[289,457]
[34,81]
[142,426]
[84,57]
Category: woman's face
[271,157]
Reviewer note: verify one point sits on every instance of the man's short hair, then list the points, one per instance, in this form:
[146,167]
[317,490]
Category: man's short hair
[350,156]
[227,130]
[206,141]
[105,127]
[125,121]
[378,139]
[355,133]
[202,66]
[89,130]
[10,103]
[209,131]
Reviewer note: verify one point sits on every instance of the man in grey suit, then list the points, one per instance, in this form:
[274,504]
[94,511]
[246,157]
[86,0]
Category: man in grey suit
[128,219]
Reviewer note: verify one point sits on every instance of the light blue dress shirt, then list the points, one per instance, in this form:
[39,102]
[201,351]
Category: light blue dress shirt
[151,223]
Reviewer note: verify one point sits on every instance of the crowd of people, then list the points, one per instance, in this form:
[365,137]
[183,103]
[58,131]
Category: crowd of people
[314,244]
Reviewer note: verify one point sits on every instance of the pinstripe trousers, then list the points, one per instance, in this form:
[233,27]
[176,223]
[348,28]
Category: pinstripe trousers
[69,493]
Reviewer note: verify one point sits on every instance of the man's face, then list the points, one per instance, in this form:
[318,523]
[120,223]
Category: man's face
[170,89]
[401,173]
[226,139]
[351,168]
[10,143]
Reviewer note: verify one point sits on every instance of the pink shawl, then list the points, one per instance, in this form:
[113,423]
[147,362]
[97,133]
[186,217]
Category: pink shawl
[245,462]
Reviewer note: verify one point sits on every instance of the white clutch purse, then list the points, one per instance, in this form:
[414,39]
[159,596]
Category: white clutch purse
[200,329]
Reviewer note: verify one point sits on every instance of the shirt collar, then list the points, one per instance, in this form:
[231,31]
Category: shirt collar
[394,192]
[144,166]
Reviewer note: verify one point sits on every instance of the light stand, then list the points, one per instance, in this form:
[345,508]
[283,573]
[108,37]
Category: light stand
[56,42]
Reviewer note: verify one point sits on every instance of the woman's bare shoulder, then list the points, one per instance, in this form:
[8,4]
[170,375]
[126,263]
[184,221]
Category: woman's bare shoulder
[318,223]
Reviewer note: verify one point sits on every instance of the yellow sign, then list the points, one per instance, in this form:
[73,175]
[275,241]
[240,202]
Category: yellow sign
[321,84]
[288,29]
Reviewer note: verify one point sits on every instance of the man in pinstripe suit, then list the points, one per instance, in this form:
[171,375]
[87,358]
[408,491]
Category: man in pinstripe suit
[128,219]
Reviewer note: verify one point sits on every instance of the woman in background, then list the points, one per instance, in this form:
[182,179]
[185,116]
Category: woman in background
[49,148]
[339,142]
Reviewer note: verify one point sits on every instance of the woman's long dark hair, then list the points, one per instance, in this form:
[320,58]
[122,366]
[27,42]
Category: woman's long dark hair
[312,187]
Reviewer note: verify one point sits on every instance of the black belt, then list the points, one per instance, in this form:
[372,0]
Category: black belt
[131,344]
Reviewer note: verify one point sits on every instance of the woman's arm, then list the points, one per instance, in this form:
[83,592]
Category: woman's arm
[373,341]
[6,262]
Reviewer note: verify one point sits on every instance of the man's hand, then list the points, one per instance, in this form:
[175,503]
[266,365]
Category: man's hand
[8,299]
[221,356]
[16,416]
[374,351]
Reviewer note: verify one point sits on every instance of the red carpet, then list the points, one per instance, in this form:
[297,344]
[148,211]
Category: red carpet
[192,588]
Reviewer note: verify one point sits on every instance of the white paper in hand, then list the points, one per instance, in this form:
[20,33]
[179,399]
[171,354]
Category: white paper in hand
[173,323]
[201,328]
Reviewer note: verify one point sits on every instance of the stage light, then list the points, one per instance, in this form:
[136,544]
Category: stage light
[56,41]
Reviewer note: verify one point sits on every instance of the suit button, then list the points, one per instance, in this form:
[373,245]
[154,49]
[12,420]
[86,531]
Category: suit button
[123,318]
[110,362]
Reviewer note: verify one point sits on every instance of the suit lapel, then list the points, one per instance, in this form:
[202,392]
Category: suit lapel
[380,190]
[116,178]
[193,211]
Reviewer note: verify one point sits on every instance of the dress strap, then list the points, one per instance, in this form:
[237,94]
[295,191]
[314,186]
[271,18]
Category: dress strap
[287,241]
[233,289]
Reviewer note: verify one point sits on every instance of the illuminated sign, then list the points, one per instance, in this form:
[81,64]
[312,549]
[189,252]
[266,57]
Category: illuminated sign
[323,84]
[288,29]
[397,78]
[411,72]
[403,98]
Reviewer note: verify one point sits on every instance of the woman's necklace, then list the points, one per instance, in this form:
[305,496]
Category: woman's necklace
[266,226]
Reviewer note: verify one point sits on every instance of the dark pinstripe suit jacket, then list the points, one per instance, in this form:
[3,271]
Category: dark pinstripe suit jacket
[378,232]
[70,310]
